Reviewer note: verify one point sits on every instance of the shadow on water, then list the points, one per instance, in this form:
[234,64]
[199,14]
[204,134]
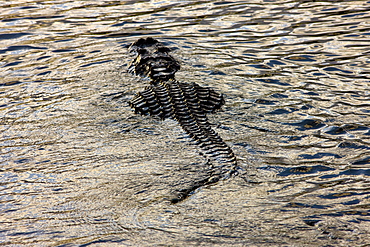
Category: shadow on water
[78,167]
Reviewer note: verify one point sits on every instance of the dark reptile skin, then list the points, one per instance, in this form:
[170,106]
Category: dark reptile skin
[188,103]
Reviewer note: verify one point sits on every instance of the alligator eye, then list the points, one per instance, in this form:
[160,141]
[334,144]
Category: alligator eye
[141,51]
[163,49]
[150,41]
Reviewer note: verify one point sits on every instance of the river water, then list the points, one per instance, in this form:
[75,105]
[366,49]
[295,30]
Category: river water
[79,168]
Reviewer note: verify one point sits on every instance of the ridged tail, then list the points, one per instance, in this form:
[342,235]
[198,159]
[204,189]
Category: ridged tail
[182,102]
[194,122]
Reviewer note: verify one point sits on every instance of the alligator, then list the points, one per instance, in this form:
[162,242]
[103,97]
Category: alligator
[188,103]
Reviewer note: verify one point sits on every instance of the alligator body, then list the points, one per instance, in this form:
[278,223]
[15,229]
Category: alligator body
[188,103]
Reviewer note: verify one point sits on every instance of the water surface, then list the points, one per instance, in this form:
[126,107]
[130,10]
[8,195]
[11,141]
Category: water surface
[79,168]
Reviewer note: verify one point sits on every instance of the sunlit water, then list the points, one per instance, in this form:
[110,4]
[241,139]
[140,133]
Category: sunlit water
[79,168]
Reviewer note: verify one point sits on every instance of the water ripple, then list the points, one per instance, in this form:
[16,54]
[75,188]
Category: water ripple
[78,167]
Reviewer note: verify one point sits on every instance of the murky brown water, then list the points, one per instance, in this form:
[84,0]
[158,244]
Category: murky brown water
[79,168]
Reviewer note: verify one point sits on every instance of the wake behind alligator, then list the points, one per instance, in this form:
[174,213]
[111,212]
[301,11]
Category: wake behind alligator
[188,103]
